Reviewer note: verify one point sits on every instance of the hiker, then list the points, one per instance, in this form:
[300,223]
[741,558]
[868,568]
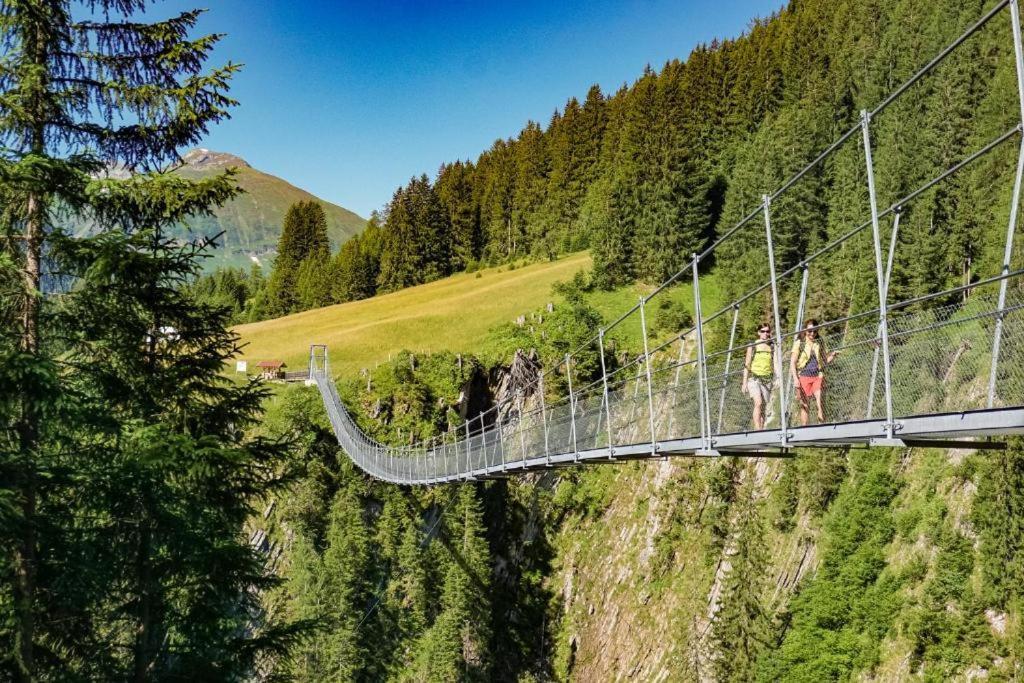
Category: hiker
[759,373]
[807,366]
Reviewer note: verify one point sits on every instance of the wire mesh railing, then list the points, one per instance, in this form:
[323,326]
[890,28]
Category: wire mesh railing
[938,352]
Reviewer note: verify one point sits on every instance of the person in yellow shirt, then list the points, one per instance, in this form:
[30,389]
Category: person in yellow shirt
[807,366]
[759,373]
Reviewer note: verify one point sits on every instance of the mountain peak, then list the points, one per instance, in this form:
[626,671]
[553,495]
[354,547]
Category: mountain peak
[204,159]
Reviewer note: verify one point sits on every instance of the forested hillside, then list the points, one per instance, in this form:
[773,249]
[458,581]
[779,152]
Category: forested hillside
[656,171]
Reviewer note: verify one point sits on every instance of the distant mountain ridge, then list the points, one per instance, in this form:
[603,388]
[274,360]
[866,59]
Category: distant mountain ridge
[252,222]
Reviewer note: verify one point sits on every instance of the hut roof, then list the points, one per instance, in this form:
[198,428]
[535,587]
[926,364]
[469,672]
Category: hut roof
[272,364]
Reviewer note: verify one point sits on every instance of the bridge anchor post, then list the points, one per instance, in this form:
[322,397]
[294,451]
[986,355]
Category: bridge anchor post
[883,293]
[607,405]
[777,319]
[702,368]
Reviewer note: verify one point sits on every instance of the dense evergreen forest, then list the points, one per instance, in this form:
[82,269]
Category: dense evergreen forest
[656,171]
[127,463]
[131,467]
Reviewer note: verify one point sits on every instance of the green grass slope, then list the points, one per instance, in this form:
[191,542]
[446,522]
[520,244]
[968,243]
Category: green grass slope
[453,314]
[456,314]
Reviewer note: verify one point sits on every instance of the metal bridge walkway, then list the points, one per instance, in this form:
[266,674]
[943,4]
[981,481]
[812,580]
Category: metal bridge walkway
[931,369]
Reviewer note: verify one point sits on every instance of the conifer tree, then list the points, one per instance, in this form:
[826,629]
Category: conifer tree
[741,625]
[171,478]
[401,262]
[997,514]
[455,646]
[454,188]
[431,229]
[303,237]
[345,565]
[678,223]
[603,210]
[529,231]
[357,264]
[79,89]
[495,184]
[574,141]
[314,282]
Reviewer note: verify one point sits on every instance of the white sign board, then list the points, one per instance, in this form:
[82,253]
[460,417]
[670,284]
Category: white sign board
[241,366]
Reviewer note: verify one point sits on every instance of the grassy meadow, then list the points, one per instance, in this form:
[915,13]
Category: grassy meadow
[454,314]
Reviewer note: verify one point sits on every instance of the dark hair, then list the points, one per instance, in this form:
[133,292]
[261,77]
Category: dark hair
[810,322]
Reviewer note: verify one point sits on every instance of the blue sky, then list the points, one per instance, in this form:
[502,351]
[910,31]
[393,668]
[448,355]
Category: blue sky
[349,100]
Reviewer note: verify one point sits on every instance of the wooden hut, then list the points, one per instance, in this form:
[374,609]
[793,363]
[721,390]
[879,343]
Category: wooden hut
[271,369]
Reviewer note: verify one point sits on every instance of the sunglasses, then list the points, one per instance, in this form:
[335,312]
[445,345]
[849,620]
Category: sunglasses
[764,331]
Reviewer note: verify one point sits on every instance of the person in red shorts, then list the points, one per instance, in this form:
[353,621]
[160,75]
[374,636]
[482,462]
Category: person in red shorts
[807,365]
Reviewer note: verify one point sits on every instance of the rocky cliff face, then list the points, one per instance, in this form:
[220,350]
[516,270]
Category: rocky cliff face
[642,560]
[644,564]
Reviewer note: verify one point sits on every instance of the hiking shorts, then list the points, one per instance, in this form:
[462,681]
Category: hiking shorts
[762,387]
[810,385]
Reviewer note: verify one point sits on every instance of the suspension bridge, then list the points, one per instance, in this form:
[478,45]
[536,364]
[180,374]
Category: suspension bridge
[942,368]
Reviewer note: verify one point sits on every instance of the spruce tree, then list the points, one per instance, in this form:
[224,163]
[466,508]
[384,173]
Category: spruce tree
[741,626]
[170,477]
[303,237]
[496,180]
[80,90]
[401,263]
[997,514]
[454,188]
[603,210]
[314,283]
[431,229]
[529,230]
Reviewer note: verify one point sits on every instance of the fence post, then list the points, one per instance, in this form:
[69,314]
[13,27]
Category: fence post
[777,322]
[1018,53]
[796,329]
[650,390]
[728,362]
[888,281]
[544,419]
[675,385]
[572,409]
[702,370]
[607,405]
[883,294]
[522,427]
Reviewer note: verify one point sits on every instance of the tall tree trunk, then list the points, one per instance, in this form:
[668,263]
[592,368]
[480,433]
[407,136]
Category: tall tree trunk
[25,556]
[143,654]
[28,437]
